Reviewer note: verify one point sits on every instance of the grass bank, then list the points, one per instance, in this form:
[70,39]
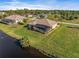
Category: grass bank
[63,42]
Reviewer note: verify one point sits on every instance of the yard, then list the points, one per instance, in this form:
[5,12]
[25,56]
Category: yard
[63,42]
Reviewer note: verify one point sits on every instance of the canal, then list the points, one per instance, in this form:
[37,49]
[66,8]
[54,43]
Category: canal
[9,49]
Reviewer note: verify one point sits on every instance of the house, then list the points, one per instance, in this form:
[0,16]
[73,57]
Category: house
[28,15]
[13,19]
[42,16]
[42,25]
[2,13]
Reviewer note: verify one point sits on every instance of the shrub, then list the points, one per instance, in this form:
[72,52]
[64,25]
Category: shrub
[21,23]
[25,20]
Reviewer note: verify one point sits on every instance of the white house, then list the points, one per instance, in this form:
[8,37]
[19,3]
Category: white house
[2,13]
[13,19]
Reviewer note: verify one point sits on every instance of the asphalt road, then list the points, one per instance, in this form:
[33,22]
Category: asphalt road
[69,23]
[8,48]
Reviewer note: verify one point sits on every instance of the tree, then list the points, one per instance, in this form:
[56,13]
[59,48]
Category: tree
[25,42]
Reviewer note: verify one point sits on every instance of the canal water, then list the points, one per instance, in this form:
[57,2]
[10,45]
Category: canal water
[9,49]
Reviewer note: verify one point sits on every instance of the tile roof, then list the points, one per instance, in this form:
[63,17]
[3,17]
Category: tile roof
[46,22]
[15,17]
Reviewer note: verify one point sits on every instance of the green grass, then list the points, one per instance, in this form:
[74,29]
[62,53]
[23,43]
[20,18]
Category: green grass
[9,30]
[63,42]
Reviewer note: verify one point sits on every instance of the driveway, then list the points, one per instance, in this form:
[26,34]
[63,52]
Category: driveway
[8,48]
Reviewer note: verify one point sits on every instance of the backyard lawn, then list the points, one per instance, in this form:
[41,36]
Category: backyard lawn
[62,42]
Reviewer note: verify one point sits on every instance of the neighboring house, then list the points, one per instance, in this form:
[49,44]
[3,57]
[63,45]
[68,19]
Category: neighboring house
[2,13]
[28,15]
[42,25]
[13,19]
[42,16]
